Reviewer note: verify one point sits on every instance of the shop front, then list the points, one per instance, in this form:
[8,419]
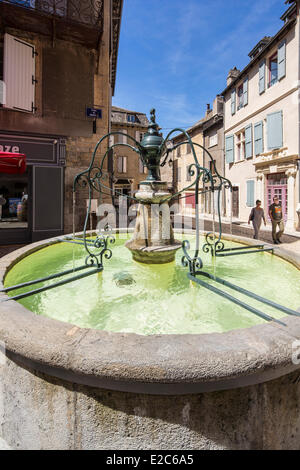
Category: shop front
[31,201]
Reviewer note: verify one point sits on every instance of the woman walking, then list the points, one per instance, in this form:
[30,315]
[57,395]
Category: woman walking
[256,216]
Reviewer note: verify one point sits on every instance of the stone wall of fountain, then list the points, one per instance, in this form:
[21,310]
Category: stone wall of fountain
[63,387]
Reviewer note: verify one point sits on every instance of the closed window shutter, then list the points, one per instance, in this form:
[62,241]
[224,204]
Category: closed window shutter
[282,60]
[111,140]
[124,164]
[19,73]
[141,166]
[262,77]
[275,130]
[120,164]
[229,149]
[245,91]
[248,141]
[124,141]
[250,193]
[137,136]
[258,138]
[233,102]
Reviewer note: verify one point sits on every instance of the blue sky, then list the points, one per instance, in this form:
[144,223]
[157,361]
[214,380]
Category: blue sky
[174,55]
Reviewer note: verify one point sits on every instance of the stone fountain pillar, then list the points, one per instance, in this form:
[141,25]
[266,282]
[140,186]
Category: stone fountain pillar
[153,240]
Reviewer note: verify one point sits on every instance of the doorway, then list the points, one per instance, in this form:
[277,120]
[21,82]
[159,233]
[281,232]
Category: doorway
[277,186]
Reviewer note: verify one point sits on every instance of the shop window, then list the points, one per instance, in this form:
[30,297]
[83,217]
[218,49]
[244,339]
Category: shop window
[13,201]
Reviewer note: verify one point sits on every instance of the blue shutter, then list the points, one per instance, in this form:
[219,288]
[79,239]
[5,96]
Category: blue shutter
[275,130]
[258,138]
[233,102]
[248,141]
[229,149]
[262,77]
[250,193]
[281,60]
[245,91]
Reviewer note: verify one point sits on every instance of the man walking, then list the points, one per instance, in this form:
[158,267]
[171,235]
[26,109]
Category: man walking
[275,213]
[256,216]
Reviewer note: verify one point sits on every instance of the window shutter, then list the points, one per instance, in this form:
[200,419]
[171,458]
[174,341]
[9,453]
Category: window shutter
[245,91]
[258,138]
[19,73]
[141,166]
[233,102]
[120,166]
[124,164]
[124,141]
[111,140]
[229,149]
[262,77]
[275,130]
[248,141]
[250,193]
[137,136]
[282,60]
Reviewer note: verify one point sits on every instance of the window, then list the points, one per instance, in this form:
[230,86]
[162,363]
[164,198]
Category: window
[240,146]
[122,139]
[188,148]
[233,102]
[122,164]
[258,138]
[14,200]
[139,136]
[19,75]
[131,118]
[240,97]
[273,69]
[213,140]
[178,152]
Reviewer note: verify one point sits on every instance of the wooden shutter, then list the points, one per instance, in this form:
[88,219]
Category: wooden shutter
[262,77]
[233,102]
[120,164]
[275,130]
[250,193]
[258,138]
[19,73]
[124,141]
[248,141]
[282,60]
[229,148]
[245,91]
[141,166]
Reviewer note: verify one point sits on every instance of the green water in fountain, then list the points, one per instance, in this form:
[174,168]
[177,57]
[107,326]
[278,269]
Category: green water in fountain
[156,299]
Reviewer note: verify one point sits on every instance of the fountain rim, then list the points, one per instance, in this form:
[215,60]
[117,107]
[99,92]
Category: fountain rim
[157,364]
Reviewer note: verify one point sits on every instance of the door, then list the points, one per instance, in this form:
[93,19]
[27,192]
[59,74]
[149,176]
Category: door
[280,192]
[235,202]
[47,207]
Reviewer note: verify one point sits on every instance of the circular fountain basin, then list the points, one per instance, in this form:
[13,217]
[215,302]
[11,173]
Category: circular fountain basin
[90,367]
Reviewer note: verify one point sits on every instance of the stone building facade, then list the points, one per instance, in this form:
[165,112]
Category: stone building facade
[127,169]
[55,103]
[262,125]
[209,133]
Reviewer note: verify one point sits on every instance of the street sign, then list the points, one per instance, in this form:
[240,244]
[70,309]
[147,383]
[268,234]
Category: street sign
[94,113]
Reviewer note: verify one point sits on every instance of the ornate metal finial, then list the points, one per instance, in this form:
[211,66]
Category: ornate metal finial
[153,116]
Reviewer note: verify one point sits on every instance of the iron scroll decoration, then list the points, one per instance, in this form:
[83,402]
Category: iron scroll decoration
[154,153]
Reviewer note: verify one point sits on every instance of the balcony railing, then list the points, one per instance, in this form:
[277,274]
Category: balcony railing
[88,12]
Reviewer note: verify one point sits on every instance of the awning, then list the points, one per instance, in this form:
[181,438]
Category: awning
[12,163]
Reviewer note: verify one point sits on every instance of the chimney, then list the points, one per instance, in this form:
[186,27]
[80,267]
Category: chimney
[233,73]
[208,109]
